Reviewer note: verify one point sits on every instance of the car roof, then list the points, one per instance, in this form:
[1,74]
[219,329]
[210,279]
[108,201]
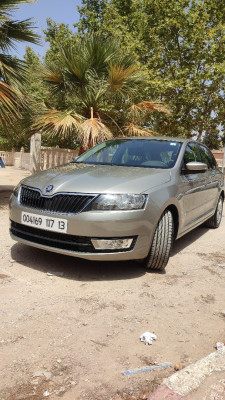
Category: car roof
[167,138]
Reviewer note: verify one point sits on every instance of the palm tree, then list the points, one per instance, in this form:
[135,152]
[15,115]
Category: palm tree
[93,87]
[12,70]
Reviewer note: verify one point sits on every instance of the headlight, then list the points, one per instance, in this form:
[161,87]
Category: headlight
[16,190]
[119,202]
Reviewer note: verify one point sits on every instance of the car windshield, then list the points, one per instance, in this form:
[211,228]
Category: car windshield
[148,153]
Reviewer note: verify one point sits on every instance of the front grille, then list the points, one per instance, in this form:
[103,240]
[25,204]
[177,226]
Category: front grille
[52,239]
[61,203]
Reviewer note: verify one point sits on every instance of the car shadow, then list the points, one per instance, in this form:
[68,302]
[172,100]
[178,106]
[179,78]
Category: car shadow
[188,239]
[6,188]
[74,268]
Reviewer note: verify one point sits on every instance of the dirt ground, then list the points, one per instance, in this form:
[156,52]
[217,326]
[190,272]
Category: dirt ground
[74,333]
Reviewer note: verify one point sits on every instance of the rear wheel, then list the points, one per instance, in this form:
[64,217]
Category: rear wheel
[162,243]
[214,221]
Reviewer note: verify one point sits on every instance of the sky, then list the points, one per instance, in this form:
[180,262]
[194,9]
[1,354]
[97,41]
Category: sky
[59,10]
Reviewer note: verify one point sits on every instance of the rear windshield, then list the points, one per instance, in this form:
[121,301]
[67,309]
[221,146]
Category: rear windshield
[147,153]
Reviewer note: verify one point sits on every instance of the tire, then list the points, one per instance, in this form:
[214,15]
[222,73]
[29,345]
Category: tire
[162,243]
[214,221]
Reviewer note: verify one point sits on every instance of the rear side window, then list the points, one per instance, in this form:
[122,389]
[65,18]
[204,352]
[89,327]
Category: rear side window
[207,157]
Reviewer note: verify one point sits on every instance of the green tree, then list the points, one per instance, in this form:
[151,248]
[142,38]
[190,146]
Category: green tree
[91,16]
[181,43]
[20,130]
[212,140]
[12,70]
[33,86]
[56,35]
[95,89]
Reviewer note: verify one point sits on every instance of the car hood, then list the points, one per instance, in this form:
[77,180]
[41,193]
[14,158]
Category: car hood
[86,178]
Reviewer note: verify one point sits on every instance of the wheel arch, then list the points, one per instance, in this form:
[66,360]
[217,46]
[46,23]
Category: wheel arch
[173,209]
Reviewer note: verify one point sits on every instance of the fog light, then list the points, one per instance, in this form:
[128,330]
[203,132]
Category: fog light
[112,244]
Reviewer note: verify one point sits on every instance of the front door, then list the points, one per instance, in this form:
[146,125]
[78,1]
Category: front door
[194,190]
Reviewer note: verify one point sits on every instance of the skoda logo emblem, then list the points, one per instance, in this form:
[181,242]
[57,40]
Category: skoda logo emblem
[49,188]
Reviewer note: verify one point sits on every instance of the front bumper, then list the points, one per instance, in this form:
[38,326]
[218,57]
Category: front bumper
[83,227]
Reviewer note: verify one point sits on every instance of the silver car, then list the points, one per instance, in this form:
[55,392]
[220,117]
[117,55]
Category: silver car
[125,199]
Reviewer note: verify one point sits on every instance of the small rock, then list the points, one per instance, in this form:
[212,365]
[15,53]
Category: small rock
[220,345]
[59,361]
[47,375]
[177,367]
[73,383]
[43,373]
[12,261]
[61,390]
[85,323]
[46,393]
[34,382]
[38,373]
[223,312]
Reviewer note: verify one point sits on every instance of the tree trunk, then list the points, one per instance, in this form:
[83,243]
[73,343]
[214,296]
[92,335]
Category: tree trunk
[200,132]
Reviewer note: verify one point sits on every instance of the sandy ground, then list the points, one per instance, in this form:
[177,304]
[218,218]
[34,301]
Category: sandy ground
[74,335]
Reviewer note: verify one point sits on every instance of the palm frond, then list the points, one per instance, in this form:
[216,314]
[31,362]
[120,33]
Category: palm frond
[74,60]
[93,132]
[83,60]
[17,31]
[12,70]
[93,96]
[10,4]
[53,77]
[59,123]
[10,103]
[100,53]
[146,106]
[134,130]
[125,74]
[118,75]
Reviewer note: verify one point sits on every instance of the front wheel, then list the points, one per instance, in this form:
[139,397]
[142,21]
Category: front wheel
[162,243]
[214,221]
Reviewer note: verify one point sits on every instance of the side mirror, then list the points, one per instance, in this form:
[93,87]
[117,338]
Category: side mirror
[196,166]
[74,159]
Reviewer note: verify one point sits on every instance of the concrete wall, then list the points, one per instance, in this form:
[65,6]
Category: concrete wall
[7,157]
[218,154]
[49,157]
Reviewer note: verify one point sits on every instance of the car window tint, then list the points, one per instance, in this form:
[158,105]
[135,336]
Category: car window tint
[207,157]
[148,153]
[191,153]
[103,154]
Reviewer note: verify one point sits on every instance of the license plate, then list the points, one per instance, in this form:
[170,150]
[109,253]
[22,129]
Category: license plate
[48,223]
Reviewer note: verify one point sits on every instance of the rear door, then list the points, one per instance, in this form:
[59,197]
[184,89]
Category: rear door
[213,178]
